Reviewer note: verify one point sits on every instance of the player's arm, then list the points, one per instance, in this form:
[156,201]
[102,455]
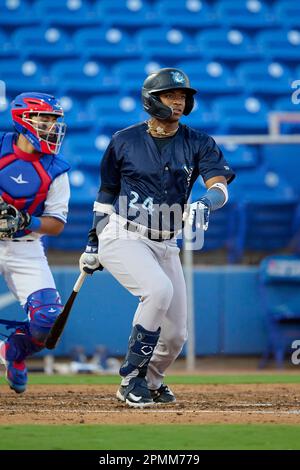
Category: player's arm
[55,212]
[216,174]
[50,226]
[215,197]
[110,186]
[102,209]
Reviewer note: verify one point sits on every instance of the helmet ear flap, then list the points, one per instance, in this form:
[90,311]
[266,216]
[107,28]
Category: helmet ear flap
[154,106]
[189,104]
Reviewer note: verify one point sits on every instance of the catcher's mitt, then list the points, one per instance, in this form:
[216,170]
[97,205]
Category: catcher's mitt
[11,220]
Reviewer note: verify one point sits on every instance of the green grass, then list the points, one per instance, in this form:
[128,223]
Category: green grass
[163,437]
[36,379]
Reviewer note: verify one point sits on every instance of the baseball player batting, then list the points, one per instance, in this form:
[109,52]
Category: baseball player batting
[34,189]
[147,174]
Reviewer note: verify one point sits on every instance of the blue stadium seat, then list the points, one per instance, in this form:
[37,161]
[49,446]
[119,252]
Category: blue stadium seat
[76,116]
[43,43]
[115,112]
[244,14]
[83,78]
[7,49]
[222,227]
[211,78]
[132,73]
[202,118]
[279,279]
[286,104]
[108,44]
[84,186]
[127,15]
[287,12]
[283,159]
[241,115]
[296,76]
[261,184]
[227,45]
[83,152]
[266,212]
[74,236]
[281,45]
[21,75]
[16,13]
[5,116]
[66,13]
[166,45]
[265,78]
[264,227]
[186,15]
[241,157]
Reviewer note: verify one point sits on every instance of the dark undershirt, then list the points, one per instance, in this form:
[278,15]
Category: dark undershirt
[161,142]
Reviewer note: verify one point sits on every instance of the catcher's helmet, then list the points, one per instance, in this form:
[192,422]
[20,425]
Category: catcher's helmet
[163,80]
[45,138]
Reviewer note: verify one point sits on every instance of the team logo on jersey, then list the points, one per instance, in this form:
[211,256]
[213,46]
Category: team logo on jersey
[19,179]
[178,77]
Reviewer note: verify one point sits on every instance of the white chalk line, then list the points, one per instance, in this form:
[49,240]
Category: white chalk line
[152,411]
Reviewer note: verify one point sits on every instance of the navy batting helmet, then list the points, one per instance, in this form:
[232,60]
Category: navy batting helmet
[163,80]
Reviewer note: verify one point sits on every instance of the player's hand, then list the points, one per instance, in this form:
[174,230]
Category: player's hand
[11,220]
[89,260]
[199,214]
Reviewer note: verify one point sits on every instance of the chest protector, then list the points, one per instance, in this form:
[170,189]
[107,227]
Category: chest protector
[25,183]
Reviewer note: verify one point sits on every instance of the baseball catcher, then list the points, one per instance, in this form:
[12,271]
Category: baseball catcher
[34,195]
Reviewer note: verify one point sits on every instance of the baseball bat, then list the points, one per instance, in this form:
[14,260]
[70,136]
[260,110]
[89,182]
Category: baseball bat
[59,324]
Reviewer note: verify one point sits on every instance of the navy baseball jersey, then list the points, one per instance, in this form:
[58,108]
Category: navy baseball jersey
[150,178]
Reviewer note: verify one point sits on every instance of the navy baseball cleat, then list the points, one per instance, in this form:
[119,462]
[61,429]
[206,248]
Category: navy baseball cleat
[16,372]
[163,395]
[136,393]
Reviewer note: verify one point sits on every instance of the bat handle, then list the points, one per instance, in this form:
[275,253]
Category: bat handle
[79,282]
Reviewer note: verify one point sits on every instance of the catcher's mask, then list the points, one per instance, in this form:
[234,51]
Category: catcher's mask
[31,114]
[164,80]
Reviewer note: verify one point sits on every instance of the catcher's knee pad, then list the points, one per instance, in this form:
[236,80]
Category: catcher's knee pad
[140,349]
[42,307]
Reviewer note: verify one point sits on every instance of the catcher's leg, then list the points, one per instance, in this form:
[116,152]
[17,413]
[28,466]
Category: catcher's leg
[43,307]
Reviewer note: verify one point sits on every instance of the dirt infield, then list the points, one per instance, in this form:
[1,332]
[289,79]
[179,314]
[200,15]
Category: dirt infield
[196,404]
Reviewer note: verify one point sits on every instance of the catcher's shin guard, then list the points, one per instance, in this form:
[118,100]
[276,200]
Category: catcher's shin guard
[16,372]
[140,349]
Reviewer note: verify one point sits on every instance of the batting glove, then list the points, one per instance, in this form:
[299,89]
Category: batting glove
[199,213]
[89,261]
